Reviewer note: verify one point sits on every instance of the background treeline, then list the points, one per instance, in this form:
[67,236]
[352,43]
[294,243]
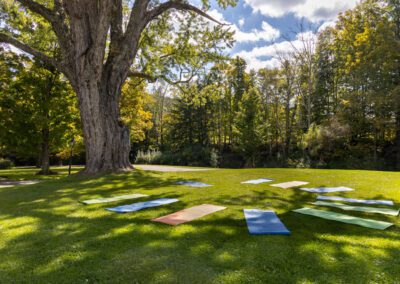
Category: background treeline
[334,101]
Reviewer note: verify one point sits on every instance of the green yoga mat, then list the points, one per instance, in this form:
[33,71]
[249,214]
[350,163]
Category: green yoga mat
[115,198]
[369,223]
[358,208]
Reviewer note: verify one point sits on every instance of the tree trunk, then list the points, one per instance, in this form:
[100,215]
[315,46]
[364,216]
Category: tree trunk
[45,128]
[98,81]
[106,137]
[45,153]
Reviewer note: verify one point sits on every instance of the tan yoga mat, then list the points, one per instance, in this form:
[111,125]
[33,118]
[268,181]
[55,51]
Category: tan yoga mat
[189,214]
[290,184]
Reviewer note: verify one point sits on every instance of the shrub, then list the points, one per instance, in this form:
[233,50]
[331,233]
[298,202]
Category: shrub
[149,157]
[6,164]
[231,160]
[214,158]
[195,155]
[326,143]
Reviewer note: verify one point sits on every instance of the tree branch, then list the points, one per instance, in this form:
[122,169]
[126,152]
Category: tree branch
[178,5]
[38,9]
[37,54]
[55,18]
[153,79]
[148,77]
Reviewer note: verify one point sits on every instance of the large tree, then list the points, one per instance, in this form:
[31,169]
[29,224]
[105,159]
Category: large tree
[98,42]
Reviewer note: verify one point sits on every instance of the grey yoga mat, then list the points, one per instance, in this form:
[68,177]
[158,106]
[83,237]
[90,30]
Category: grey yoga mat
[323,189]
[142,205]
[352,200]
[193,183]
[342,206]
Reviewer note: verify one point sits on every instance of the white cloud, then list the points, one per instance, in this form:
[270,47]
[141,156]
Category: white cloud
[325,25]
[241,22]
[266,33]
[313,10]
[255,57]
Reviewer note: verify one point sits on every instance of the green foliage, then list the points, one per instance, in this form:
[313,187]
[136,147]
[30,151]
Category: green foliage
[34,99]
[336,106]
[134,105]
[6,164]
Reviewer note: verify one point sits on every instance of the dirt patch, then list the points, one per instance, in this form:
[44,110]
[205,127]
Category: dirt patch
[158,168]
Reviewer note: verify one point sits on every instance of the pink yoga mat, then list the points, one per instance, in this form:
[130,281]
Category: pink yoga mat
[188,214]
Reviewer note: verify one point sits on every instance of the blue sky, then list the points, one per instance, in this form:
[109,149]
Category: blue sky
[267,27]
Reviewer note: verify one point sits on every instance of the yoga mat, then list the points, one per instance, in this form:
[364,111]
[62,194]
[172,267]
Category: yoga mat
[290,184]
[257,181]
[260,222]
[112,199]
[326,189]
[193,184]
[358,208]
[364,201]
[369,223]
[189,214]
[142,205]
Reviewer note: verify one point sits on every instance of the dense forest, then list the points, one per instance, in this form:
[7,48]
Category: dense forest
[333,101]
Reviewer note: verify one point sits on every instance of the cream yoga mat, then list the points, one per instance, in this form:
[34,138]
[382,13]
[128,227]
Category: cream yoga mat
[290,184]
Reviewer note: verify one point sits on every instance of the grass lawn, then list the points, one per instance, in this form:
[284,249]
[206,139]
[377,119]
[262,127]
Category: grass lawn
[47,236]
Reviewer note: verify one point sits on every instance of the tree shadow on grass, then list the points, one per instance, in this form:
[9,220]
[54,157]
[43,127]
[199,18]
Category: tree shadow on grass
[51,238]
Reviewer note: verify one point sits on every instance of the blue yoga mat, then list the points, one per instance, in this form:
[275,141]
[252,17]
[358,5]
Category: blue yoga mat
[260,222]
[142,205]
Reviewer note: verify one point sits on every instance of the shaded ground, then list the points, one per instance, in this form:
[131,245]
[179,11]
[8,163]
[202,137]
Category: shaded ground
[48,236]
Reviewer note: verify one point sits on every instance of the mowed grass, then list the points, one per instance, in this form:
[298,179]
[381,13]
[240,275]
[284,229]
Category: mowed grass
[47,236]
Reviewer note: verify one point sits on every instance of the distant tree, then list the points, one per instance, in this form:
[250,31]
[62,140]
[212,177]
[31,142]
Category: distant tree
[38,110]
[248,125]
[394,14]
[325,98]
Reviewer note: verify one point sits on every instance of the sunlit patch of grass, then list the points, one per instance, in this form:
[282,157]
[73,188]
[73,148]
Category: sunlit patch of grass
[48,236]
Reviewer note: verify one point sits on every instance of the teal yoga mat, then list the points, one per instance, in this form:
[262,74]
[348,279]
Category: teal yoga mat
[358,208]
[369,223]
[115,198]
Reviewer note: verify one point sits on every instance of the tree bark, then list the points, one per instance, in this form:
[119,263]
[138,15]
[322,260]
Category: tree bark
[106,137]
